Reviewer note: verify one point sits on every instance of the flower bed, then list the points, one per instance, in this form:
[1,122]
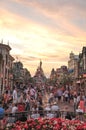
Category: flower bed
[49,124]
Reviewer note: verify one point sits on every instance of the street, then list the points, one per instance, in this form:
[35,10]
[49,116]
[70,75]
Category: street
[64,106]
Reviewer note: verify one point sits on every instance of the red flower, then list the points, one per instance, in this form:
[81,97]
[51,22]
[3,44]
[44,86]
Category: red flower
[26,126]
[49,124]
[38,127]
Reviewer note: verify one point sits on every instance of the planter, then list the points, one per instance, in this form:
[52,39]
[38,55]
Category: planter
[49,124]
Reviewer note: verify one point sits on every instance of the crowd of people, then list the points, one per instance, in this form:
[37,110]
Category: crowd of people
[33,103]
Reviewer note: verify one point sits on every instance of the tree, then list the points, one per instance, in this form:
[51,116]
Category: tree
[66,79]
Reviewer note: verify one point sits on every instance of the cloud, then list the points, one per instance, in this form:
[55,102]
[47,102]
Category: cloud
[59,20]
[64,16]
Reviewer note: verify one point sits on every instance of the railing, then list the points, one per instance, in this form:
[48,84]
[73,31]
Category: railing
[22,116]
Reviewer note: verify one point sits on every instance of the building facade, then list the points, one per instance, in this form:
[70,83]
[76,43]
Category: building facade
[6,64]
[82,68]
[82,63]
[59,74]
[21,75]
[73,67]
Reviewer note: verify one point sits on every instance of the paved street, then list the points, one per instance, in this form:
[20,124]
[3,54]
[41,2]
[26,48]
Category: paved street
[66,106]
[62,105]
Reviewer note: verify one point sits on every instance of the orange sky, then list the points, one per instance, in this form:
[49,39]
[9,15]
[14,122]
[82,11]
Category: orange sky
[43,29]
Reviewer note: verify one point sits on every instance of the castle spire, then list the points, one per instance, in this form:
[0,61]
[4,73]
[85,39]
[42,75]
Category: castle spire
[2,41]
[40,63]
[8,43]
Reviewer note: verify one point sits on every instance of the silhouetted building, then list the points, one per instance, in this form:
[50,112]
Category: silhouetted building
[20,75]
[39,75]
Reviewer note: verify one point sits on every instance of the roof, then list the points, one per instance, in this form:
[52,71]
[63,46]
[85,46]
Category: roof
[5,46]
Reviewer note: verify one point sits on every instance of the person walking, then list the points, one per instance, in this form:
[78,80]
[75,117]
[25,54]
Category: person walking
[15,95]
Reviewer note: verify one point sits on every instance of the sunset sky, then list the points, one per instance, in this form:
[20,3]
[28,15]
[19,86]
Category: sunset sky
[43,29]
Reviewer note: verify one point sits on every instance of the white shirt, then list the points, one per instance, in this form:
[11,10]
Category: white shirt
[32,92]
[78,98]
[37,115]
[14,95]
[54,108]
[14,109]
[75,100]
[79,110]
[50,115]
[51,95]
[47,108]
[66,93]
